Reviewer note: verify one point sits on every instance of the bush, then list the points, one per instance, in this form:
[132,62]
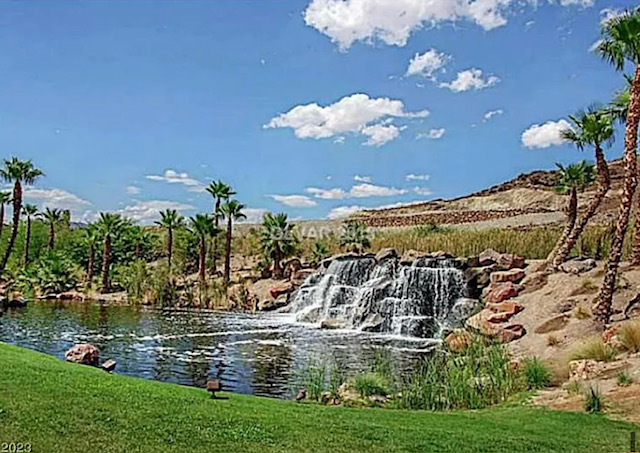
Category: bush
[574,388]
[134,278]
[593,401]
[595,349]
[624,379]
[315,379]
[629,336]
[536,373]
[370,384]
[478,377]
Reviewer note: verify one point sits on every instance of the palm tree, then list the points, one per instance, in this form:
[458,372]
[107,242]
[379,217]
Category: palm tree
[18,172]
[571,180]
[319,252]
[91,235]
[139,236]
[355,237]
[203,226]
[170,220]
[231,210]
[28,210]
[591,128]
[621,43]
[220,191]
[109,225]
[52,217]
[277,239]
[5,198]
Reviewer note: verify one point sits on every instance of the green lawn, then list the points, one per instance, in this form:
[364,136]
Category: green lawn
[59,407]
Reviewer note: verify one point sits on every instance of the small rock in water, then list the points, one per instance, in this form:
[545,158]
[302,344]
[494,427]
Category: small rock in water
[302,394]
[109,365]
[85,354]
[332,323]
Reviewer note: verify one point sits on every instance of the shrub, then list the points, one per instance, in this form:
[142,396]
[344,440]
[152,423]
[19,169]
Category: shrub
[574,388]
[370,384]
[536,373]
[623,379]
[593,401]
[629,336]
[315,378]
[134,278]
[595,349]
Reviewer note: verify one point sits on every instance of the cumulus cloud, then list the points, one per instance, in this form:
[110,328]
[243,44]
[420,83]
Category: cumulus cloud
[173,177]
[343,211]
[357,113]
[359,178]
[471,79]
[54,199]
[364,190]
[414,177]
[148,211]
[296,201]
[393,21]
[254,215]
[433,134]
[491,113]
[132,190]
[422,191]
[545,135]
[427,64]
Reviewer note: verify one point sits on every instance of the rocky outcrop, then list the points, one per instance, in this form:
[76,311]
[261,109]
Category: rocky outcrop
[513,275]
[578,265]
[586,370]
[386,254]
[85,354]
[552,324]
[280,289]
[499,292]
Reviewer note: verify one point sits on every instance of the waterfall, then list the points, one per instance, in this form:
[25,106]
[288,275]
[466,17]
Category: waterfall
[416,300]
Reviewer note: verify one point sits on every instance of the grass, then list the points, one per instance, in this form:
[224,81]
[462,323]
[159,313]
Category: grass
[370,384]
[595,349]
[624,379]
[65,408]
[629,336]
[537,374]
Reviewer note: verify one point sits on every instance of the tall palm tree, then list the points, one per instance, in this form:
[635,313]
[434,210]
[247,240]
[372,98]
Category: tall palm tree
[620,43]
[170,220]
[16,171]
[591,128]
[52,217]
[277,239]
[571,180]
[203,226]
[91,236]
[220,191]
[5,198]
[231,210]
[29,210]
[139,236]
[109,225]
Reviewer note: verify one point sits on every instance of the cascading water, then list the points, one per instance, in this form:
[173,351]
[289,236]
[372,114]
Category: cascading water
[415,300]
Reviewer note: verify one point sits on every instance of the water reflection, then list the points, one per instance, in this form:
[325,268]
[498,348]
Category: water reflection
[259,354]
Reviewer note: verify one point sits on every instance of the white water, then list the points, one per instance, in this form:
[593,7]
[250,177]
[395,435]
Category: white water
[416,300]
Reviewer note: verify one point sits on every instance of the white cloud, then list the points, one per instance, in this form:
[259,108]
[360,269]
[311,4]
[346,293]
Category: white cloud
[545,135]
[435,134]
[343,211]
[470,79]
[364,190]
[393,21]
[55,199]
[422,191]
[254,215]
[148,211]
[359,178]
[132,190]
[296,201]
[356,113]
[427,64]
[173,177]
[413,177]
[491,113]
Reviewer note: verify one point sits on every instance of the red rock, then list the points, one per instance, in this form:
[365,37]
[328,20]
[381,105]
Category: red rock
[86,354]
[480,323]
[458,340]
[497,318]
[608,334]
[488,257]
[499,292]
[506,307]
[510,261]
[300,276]
[282,288]
[512,275]
[512,333]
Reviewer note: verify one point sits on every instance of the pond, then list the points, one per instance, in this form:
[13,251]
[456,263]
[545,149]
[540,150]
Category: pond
[261,354]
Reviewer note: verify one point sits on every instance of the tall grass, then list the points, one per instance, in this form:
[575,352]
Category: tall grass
[629,336]
[595,349]
[480,376]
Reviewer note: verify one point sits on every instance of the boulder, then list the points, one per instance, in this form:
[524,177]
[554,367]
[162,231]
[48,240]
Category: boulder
[512,307]
[332,323]
[512,275]
[300,276]
[479,277]
[410,256]
[488,257]
[458,340]
[552,324]
[441,254]
[472,261]
[578,265]
[85,354]
[372,323]
[310,316]
[273,304]
[510,261]
[588,369]
[290,267]
[109,365]
[499,292]
[498,318]
[512,332]
[565,306]
[480,323]
[463,308]
[282,288]
[386,254]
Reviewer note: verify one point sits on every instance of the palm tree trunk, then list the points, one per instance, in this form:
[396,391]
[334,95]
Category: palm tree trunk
[603,303]
[90,265]
[1,219]
[227,256]
[170,248]
[277,268]
[202,258]
[604,184]
[17,207]
[52,236]
[27,239]
[214,248]
[106,262]
[572,214]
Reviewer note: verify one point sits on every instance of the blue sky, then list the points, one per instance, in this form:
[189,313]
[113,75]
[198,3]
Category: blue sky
[134,106]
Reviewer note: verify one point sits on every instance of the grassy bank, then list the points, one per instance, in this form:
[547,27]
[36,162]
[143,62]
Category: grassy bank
[59,408]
